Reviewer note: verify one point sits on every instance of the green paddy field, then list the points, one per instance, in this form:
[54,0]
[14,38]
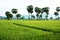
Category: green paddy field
[29,30]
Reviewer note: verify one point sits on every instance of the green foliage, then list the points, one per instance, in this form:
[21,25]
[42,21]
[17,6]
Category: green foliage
[57,9]
[14,11]
[33,16]
[18,15]
[56,13]
[37,15]
[45,9]
[9,16]
[41,16]
[7,13]
[37,10]
[30,9]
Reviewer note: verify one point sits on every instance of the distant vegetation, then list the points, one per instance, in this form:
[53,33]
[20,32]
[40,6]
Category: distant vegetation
[30,9]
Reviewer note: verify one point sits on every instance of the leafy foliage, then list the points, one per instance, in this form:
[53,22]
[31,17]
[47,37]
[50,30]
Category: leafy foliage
[14,11]
[30,9]
[9,16]
[45,9]
[33,16]
[18,15]
[58,9]
[37,10]
[56,13]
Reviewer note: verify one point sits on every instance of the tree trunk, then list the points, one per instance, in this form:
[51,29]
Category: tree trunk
[41,16]
[29,16]
[14,16]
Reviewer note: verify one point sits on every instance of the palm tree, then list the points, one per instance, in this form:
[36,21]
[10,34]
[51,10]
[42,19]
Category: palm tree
[30,10]
[18,15]
[14,11]
[56,14]
[47,15]
[41,13]
[37,15]
[38,11]
[58,9]
[9,16]
[46,10]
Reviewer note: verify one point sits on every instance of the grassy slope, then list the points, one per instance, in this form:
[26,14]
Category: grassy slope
[9,31]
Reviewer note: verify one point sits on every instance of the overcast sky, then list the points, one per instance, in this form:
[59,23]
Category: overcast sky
[7,5]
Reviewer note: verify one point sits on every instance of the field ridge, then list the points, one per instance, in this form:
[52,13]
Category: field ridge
[37,28]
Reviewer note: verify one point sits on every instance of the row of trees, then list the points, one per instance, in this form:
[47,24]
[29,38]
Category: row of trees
[39,12]
[10,16]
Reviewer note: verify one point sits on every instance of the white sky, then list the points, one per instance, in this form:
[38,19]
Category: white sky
[7,5]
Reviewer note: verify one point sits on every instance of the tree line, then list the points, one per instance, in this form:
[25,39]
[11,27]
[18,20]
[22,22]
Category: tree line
[39,11]
[14,11]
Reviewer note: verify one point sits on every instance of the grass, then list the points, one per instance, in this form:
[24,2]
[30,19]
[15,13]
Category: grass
[10,31]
